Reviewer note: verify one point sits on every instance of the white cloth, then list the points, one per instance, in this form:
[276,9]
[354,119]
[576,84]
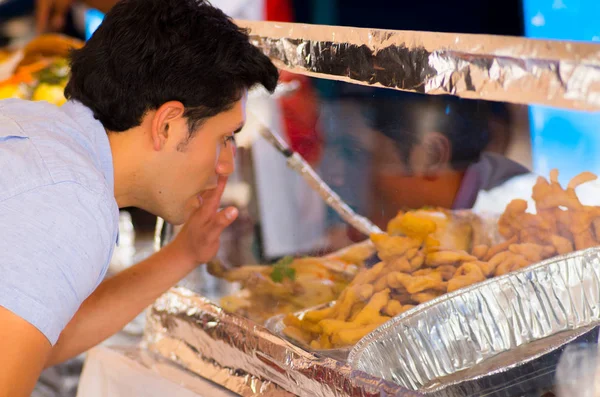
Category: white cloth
[112,372]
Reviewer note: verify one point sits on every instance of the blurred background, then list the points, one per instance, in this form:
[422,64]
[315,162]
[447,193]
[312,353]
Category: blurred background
[380,150]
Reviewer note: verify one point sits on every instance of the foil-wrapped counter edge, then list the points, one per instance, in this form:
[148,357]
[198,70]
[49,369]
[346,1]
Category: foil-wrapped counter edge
[499,68]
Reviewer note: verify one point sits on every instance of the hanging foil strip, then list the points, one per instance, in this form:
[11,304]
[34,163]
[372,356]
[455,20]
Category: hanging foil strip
[246,358]
[482,330]
[331,198]
[360,223]
[498,68]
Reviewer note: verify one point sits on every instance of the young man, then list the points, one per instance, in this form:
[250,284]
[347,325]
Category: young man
[156,96]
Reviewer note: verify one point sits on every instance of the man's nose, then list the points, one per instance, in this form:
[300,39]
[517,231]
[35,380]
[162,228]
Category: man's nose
[226,163]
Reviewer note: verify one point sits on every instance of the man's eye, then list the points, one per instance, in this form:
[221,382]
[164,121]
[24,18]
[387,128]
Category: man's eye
[229,138]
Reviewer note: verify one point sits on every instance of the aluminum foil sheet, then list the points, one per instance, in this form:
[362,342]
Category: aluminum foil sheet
[245,357]
[509,69]
[469,327]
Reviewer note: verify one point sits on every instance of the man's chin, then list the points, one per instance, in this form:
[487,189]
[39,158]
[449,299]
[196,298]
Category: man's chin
[175,220]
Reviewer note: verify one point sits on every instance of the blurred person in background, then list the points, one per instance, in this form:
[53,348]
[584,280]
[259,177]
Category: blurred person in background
[432,153]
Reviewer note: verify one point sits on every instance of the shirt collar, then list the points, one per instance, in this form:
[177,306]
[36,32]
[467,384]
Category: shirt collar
[94,130]
[492,170]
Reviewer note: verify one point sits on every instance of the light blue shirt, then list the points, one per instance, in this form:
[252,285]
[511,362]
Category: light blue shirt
[58,214]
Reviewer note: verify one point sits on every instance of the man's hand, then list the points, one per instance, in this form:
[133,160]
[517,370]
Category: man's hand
[199,239]
[51,14]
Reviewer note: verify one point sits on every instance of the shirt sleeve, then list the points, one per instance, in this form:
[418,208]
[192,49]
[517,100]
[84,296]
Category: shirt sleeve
[55,245]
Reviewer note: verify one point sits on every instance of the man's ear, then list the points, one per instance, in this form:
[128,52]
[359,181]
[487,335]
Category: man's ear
[439,152]
[166,114]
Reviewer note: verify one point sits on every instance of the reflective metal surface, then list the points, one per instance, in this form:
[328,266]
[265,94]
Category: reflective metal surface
[245,357]
[471,326]
[510,69]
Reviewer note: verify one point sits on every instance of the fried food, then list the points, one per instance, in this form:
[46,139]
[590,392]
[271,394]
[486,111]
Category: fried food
[419,264]
[441,258]
[291,285]
[467,274]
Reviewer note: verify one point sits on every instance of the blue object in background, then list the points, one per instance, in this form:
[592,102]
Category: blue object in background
[564,139]
[93,19]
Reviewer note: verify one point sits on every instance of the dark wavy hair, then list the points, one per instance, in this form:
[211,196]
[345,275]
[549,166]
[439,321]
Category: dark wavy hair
[148,52]
[406,119]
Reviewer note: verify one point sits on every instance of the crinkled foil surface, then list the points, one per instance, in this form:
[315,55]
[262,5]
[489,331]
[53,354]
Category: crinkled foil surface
[245,357]
[475,325]
[509,69]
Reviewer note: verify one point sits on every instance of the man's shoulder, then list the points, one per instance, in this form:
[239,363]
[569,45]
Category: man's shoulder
[41,145]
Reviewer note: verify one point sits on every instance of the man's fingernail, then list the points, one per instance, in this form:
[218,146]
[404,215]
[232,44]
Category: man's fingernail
[231,213]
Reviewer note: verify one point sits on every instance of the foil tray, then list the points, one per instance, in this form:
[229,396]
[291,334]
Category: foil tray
[245,357]
[426,348]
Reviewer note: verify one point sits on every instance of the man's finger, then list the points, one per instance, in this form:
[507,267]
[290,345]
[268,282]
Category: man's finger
[223,219]
[42,14]
[212,198]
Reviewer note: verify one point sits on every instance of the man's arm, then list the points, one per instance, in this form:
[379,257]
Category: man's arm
[120,299]
[24,352]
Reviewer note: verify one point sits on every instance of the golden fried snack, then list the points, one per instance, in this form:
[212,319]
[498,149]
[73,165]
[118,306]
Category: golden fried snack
[580,179]
[551,195]
[511,263]
[446,271]
[486,268]
[381,284]
[467,274]
[431,243]
[425,296]
[417,261]
[500,247]
[371,310]
[391,246]
[402,264]
[368,276]
[323,342]
[580,225]
[350,296]
[400,295]
[424,272]
[441,258]
[351,336]
[412,225]
[535,235]
[315,316]
[480,251]
[497,259]
[508,224]
[298,334]
[393,308]
[356,309]
[416,284]
[533,252]
[411,253]
[561,244]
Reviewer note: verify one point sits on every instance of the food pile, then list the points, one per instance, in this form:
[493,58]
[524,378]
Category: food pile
[42,73]
[417,266]
[291,284]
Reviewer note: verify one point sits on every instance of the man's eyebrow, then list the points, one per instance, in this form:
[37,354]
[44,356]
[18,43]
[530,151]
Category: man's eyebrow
[239,128]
